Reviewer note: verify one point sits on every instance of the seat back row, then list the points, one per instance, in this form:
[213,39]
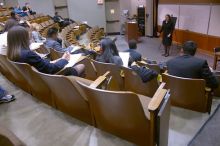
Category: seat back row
[123,79]
[74,96]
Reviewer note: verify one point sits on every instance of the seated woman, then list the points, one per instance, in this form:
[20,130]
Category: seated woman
[108,54]
[37,38]
[18,50]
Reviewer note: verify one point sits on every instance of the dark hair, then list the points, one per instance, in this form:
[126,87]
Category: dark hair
[13,14]
[56,13]
[52,31]
[114,48]
[17,39]
[168,15]
[132,44]
[9,24]
[107,52]
[190,48]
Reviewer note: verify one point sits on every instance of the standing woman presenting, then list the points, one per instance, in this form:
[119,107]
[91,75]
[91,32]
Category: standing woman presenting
[167,29]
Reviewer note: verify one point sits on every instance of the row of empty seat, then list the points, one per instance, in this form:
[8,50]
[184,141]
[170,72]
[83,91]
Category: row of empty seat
[72,32]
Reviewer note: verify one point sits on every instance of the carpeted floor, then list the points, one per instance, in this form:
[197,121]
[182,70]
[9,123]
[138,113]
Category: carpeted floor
[39,125]
[209,134]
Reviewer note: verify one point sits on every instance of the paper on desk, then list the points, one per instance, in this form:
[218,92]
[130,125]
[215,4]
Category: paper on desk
[75,48]
[73,60]
[125,58]
[35,46]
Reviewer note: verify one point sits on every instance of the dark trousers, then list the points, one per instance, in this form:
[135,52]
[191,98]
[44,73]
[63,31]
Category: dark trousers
[2,92]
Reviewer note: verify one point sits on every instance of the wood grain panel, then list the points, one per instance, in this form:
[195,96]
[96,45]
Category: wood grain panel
[206,43]
[189,1]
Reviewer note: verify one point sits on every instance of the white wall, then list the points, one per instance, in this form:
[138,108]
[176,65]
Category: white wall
[197,18]
[11,3]
[135,4]
[87,10]
[40,6]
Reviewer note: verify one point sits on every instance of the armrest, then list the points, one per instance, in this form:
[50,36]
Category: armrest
[207,89]
[157,98]
[100,80]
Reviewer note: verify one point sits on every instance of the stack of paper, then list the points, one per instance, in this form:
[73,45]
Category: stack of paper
[73,60]
[125,58]
[35,46]
[75,48]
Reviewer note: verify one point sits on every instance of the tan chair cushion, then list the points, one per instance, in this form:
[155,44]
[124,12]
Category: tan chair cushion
[145,102]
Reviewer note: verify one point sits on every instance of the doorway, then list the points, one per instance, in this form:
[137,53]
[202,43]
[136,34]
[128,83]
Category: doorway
[61,7]
[112,12]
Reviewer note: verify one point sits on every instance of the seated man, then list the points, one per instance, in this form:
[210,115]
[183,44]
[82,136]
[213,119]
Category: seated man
[4,97]
[188,66]
[52,41]
[135,56]
[14,19]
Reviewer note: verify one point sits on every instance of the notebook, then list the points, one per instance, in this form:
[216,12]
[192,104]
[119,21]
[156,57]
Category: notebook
[74,58]
[35,46]
[125,58]
[75,48]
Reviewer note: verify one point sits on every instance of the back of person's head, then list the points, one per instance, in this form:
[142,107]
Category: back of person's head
[189,48]
[107,53]
[18,39]
[9,24]
[13,14]
[52,32]
[132,44]
[114,48]
[56,13]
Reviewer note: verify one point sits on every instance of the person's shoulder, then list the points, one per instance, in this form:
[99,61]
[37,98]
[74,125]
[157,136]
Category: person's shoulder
[27,52]
[174,59]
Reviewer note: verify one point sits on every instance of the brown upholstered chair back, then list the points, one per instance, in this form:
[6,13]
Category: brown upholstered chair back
[17,77]
[217,91]
[115,71]
[90,70]
[39,88]
[54,55]
[119,113]
[7,138]
[187,93]
[134,83]
[67,98]
[5,71]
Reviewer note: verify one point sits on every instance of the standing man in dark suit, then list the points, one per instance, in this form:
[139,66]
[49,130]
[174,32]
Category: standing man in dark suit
[134,55]
[188,66]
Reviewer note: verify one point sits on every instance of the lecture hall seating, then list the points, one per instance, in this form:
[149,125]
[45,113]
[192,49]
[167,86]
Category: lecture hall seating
[187,93]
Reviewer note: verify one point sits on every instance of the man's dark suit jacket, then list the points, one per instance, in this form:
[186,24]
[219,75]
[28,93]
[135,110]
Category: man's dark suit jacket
[187,66]
[42,65]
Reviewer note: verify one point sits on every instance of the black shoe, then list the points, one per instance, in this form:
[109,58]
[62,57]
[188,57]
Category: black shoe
[7,99]
[167,55]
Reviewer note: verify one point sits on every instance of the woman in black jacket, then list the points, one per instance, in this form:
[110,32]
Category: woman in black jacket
[167,29]
[18,50]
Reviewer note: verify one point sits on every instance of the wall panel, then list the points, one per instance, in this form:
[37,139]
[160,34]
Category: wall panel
[194,18]
[214,28]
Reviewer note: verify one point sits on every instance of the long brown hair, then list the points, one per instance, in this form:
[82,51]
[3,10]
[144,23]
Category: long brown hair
[18,39]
